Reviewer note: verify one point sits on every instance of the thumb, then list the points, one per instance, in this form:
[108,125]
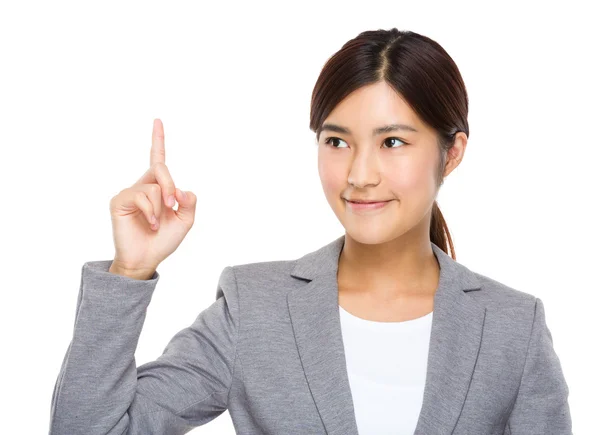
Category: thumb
[187,205]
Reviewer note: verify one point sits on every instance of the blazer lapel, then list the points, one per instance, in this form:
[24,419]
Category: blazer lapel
[454,342]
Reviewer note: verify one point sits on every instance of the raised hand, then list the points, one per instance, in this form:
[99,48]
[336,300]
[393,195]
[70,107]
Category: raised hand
[146,228]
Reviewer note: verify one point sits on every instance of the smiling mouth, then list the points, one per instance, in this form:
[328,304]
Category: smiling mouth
[366,206]
[367,202]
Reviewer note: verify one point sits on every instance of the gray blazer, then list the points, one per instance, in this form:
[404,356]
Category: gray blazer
[270,350]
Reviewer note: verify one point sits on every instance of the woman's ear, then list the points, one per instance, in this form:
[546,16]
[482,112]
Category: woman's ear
[456,153]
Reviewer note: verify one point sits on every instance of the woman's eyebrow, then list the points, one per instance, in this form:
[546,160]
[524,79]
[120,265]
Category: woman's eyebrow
[384,129]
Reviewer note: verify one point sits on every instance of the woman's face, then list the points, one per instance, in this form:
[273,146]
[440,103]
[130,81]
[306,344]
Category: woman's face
[398,166]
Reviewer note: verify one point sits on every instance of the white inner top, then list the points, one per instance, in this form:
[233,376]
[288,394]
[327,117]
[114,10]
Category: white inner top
[387,365]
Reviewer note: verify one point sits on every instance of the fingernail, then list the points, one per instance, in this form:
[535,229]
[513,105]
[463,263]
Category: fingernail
[183,194]
[171,201]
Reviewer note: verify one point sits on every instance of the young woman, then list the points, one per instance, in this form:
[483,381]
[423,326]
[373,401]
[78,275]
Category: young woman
[380,331]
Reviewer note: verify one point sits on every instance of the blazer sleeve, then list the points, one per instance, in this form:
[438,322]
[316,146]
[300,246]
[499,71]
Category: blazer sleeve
[541,406]
[99,389]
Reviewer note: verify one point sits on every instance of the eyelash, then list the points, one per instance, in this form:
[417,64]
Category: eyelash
[328,140]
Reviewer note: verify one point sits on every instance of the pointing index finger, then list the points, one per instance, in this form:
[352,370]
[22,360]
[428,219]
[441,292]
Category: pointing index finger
[157,152]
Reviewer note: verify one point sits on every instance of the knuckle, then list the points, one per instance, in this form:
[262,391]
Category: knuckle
[140,196]
[116,198]
[154,189]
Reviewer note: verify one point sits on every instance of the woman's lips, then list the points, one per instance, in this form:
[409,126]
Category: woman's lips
[356,206]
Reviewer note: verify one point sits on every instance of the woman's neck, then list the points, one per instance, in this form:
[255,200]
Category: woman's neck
[390,270]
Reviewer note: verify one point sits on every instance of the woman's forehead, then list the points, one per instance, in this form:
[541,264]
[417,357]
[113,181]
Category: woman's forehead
[372,107]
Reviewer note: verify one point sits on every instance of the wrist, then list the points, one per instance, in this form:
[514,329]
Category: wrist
[135,273]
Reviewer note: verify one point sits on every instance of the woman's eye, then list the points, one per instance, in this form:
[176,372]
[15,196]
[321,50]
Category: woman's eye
[394,138]
[329,140]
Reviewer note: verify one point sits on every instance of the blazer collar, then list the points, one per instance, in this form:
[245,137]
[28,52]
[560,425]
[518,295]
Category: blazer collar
[454,342]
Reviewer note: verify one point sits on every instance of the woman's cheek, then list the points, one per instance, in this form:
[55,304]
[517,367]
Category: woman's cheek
[414,186]
[332,177]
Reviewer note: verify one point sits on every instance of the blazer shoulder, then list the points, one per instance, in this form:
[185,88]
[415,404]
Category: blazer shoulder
[265,268]
[264,277]
[497,295]
[511,313]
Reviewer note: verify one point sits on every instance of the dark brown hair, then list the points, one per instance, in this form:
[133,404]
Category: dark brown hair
[421,71]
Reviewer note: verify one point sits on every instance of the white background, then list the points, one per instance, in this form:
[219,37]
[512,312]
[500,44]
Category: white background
[81,83]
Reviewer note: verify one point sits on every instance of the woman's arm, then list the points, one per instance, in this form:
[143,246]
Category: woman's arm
[541,406]
[100,391]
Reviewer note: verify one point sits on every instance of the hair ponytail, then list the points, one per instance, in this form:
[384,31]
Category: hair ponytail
[439,233]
